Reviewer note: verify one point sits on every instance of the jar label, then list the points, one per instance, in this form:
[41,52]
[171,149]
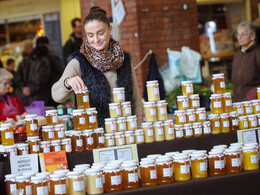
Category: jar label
[90,140]
[28,190]
[202,116]
[111,142]
[257,108]
[189,89]
[82,120]
[25,152]
[198,131]
[36,148]
[103,179]
[228,102]
[253,123]
[225,123]
[163,111]
[121,141]
[101,140]
[150,133]
[85,98]
[60,189]
[42,190]
[192,117]
[235,122]
[240,111]
[140,139]
[235,162]
[217,104]
[185,104]
[115,180]
[118,111]
[60,134]
[113,127]
[9,135]
[182,119]
[152,112]
[57,148]
[122,126]
[54,119]
[46,149]
[185,169]
[78,186]
[219,164]
[51,134]
[92,119]
[128,111]
[33,127]
[217,124]
[160,131]
[259,121]
[133,124]
[68,148]
[246,124]
[13,188]
[249,110]
[153,174]
[170,131]
[207,130]
[131,139]
[254,159]
[203,166]
[222,84]
[99,183]
[79,143]
[195,103]
[133,177]
[179,134]
[167,172]
[188,132]
[121,96]
[156,91]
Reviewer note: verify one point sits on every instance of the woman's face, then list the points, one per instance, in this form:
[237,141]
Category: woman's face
[244,36]
[98,34]
[4,86]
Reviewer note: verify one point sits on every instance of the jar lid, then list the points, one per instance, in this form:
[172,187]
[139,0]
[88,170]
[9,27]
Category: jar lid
[151,82]
[218,75]
[125,103]
[47,127]
[179,112]
[111,167]
[171,153]
[147,159]
[10,147]
[21,145]
[197,155]
[157,123]
[57,175]
[45,174]
[119,133]
[69,133]
[255,101]
[226,94]
[211,116]
[182,97]
[38,178]
[30,116]
[128,132]
[223,115]
[55,142]
[200,109]
[59,126]
[186,82]
[130,161]
[245,148]
[180,156]
[187,125]
[242,117]
[29,174]
[33,138]
[73,173]
[168,121]
[206,123]
[231,150]
[76,133]
[66,140]
[149,104]
[163,159]
[88,131]
[215,152]
[190,110]
[237,144]
[161,102]
[10,176]
[131,117]
[98,163]
[237,104]
[110,119]
[61,171]
[80,170]
[90,110]
[99,130]
[246,102]
[251,116]
[153,156]
[215,96]
[128,165]
[147,162]
[200,151]
[120,118]
[233,113]
[119,89]
[51,111]
[5,125]
[139,131]
[146,124]
[92,170]
[188,151]
[220,146]
[109,134]
[251,144]
[196,124]
[77,111]
[178,126]
[114,104]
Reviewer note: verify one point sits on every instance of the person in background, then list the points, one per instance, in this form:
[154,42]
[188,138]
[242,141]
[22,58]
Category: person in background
[246,64]
[100,65]
[56,66]
[1,64]
[27,50]
[75,40]
[10,65]
[10,105]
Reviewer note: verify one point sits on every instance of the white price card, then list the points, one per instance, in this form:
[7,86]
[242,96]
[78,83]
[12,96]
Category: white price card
[85,98]
[254,159]
[167,172]
[99,183]
[217,104]
[115,180]
[249,136]
[60,189]
[185,169]
[92,119]
[203,166]
[219,164]
[78,186]
[235,162]
[153,174]
[42,190]
[185,104]
[25,163]
[152,112]
[150,133]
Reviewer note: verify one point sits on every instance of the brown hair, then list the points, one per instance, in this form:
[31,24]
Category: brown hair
[97,13]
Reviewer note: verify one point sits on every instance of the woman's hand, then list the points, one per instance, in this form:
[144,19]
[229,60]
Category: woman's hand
[76,83]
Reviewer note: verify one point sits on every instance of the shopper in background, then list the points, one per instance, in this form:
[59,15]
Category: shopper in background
[27,50]
[246,64]
[75,40]
[10,106]
[56,66]
[101,65]
[10,65]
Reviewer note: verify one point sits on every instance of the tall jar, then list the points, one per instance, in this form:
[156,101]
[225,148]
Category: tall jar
[89,140]
[119,139]
[153,91]
[80,121]
[161,110]
[115,110]
[148,173]
[188,131]
[39,185]
[248,109]
[59,131]
[194,101]
[75,183]
[91,115]
[110,125]
[58,184]
[131,123]
[217,103]
[48,133]
[34,144]
[187,87]
[130,178]
[51,117]
[233,160]
[206,128]
[200,114]
[126,109]
[227,102]
[233,121]
[77,141]
[55,146]
[148,132]
[7,134]
[242,122]
[219,83]
[181,167]
[197,129]
[216,163]
[158,131]
[199,165]
[164,170]
[82,97]
[109,139]
[178,131]
[256,106]
[252,121]
[250,158]
[183,102]
[239,108]
[224,123]
[191,117]
[121,124]
[100,137]
[31,125]
[113,178]
[129,137]
[66,145]
[180,117]
[139,136]
[119,95]
[94,181]
[215,123]
[150,111]
[23,184]
[10,184]
[22,149]
[168,128]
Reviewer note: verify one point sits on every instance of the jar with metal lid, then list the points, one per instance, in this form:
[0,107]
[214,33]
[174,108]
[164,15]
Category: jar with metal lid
[100,137]
[216,163]
[80,120]
[7,134]
[183,102]
[113,178]
[250,158]
[200,114]
[82,97]
[148,173]
[256,106]
[121,124]
[168,128]
[233,160]
[248,108]
[180,117]
[131,123]
[109,139]
[110,125]
[34,144]
[194,101]
[224,123]
[219,83]
[161,110]
[187,87]
[91,115]
[258,93]
[11,151]
[216,103]
[48,133]
[252,121]
[77,141]
[66,145]
[118,95]
[94,181]
[129,137]
[22,149]
[10,184]
[150,111]
[164,170]
[227,102]
[119,139]
[178,129]
[233,121]
[158,131]
[59,131]
[51,117]
[55,146]
[115,110]
[215,123]
[45,146]
[75,183]
[206,128]
[197,129]
[181,167]
[188,131]
[58,184]
[89,140]
[39,185]
[239,107]
[23,185]
[139,136]
[242,122]
[31,125]
[130,178]
[199,165]
[191,117]
[126,109]
[148,132]
[153,92]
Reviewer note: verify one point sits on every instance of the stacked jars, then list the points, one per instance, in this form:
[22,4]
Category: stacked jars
[7,138]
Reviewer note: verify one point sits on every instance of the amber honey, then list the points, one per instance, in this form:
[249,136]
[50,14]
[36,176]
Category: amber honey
[48,133]
[200,114]
[148,132]
[227,102]
[233,160]
[34,144]
[91,115]
[39,185]
[178,129]
[250,158]
[126,109]
[158,131]
[11,151]
[219,83]
[206,128]
[180,117]
[183,102]
[199,165]
[31,125]
[224,123]
[121,124]
[194,101]
[216,163]
[197,129]
[66,145]
[181,167]
[256,106]
[22,149]
[100,137]
[148,173]
[77,141]
[10,184]
[164,170]
[51,117]
[258,119]
[23,185]
[130,178]
[248,109]
[115,110]
[252,121]
[161,110]
[168,128]
[58,184]
[242,122]
[55,146]
[233,121]
[89,140]
[215,123]
[190,115]
[217,104]
[80,120]
[239,108]
[150,111]
[7,134]
[129,137]
[113,179]
[82,97]
[119,95]
[45,146]
[153,92]
[131,123]
[188,131]
[187,87]
[119,139]
[59,131]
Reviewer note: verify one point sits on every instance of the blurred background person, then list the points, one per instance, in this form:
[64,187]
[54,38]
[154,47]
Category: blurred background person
[27,50]
[10,65]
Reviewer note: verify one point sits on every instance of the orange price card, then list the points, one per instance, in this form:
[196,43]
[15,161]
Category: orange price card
[55,161]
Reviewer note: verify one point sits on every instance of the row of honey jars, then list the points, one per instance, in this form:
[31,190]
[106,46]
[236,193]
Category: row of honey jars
[188,102]
[31,125]
[247,107]
[155,111]
[249,121]
[221,103]
[190,116]
[85,119]
[56,145]
[219,83]
[120,109]
[50,132]
[153,91]
[82,97]
[113,125]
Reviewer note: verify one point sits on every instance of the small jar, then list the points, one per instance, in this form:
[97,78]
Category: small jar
[91,115]
[89,140]
[59,131]
[23,184]
[206,128]
[181,167]
[121,124]
[250,158]
[11,151]
[215,123]
[55,146]
[258,120]
[51,117]
[150,111]
[109,139]
[10,184]
[219,83]
[191,117]
[115,110]
[168,128]
[153,91]
[216,163]
[224,123]
[131,123]
[178,131]
[252,121]
[94,181]
[80,121]
[130,176]
[242,122]
[188,131]
[82,97]
[39,185]
[148,173]
[256,106]
[199,165]
[187,87]
[158,131]
[239,108]
[227,102]
[216,103]
[119,95]
[126,109]
[119,139]
[45,146]
[100,137]
[31,125]
[58,184]
[148,132]
[34,144]
[183,102]
[161,110]
[233,121]
[75,183]
[248,109]
[66,145]
[110,125]
[139,136]
[164,170]
[200,114]
[77,141]
[180,117]
[194,101]
[129,137]
[233,160]
[7,134]
[197,129]
[48,133]
[113,178]
[22,149]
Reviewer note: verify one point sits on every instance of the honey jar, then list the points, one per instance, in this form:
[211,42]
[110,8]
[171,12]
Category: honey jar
[150,111]
[119,139]
[48,133]
[258,93]
[217,103]
[39,185]
[22,149]
[239,108]
[158,131]
[129,137]
[100,137]
[94,181]
[131,123]
[252,121]
[77,141]
[119,95]
[188,131]
[227,102]
[178,131]
[10,184]
[58,184]
[55,146]
[250,158]
[206,128]
[183,102]
[248,108]
[161,110]
[139,136]
[180,117]
[75,183]
[51,117]
[59,131]
[113,178]
[148,132]
[187,87]
[34,144]
[126,109]
[233,160]
[45,146]
[31,125]
[181,167]
[219,83]
[80,120]
[199,165]
[82,97]
[110,125]
[11,151]
[115,110]
[66,145]
[258,119]
[233,121]
[216,163]
[153,92]
[215,123]
[148,173]
[242,122]
[109,139]
[130,176]
[256,106]
[23,185]
[121,124]
[191,117]
[194,101]
[200,114]
[224,123]
[7,134]
[89,140]
[168,129]
[91,118]
[164,170]
[197,129]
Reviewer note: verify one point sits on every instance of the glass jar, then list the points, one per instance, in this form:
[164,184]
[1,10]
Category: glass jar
[215,123]
[77,141]
[187,87]
[48,133]
[66,145]
[51,117]
[139,136]
[115,110]
[110,125]
[119,139]
[129,137]
[31,125]
[252,121]
[239,108]
[197,129]
[164,170]
[188,131]
[256,106]
[82,97]
[80,121]
[100,137]
[200,114]
[121,124]
[219,83]
[126,109]
[183,102]
[161,110]
[45,146]
[153,91]
[216,163]
[34,144]
[233,121]
[22,149]
[130,176]
[89,140]
[11,151]
[181,167]
[148,132]
[158,131]
[55,146]
[194,101]
[109,139]
[258,119]
[91,115]
[216,103]
[10,184]
[248,108]
[191,117]
[199,165]
[131,123]
[242,122]
[118,95]
[150,111]
[180,117]
[206,128]
[75,183]
[148,173]
[7,134]
[59,131]
[23,185]
[227,102]
[168,128]
[94,181]
[258,93]
[39,185]
[224,123]
[113,178]
[250,158]
[178,131]
[58,184]
[233,160]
